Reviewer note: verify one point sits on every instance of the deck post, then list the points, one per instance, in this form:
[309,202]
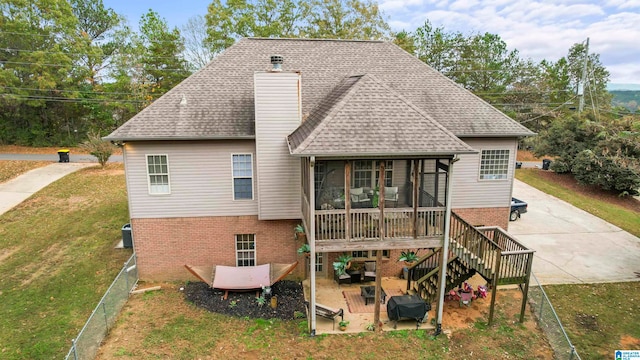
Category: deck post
[312,245]
[347,200]
[525,292]
[494,291]
[415,198]
[378,291]
[445,250]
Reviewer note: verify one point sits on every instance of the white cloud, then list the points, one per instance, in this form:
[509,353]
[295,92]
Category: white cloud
[541,29]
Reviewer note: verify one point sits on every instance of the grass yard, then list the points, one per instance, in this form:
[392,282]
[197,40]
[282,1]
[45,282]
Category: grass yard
[622,212]
[162,324]
[599,318]
[57,258]
[12,169]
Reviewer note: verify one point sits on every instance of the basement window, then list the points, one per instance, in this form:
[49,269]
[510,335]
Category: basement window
[246,250]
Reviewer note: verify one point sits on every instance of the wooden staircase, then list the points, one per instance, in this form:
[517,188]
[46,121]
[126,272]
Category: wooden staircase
[472,250]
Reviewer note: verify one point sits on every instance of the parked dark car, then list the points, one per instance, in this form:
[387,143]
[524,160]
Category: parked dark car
[518,207]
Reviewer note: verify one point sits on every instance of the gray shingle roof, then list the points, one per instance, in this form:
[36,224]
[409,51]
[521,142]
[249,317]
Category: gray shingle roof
[219,97]
[363,116]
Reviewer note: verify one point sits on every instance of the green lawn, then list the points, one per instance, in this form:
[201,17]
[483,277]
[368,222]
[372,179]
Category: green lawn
[57,259]
[599,318]
[624,218]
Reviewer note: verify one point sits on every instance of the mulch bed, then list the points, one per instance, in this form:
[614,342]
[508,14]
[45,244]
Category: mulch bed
[289,294]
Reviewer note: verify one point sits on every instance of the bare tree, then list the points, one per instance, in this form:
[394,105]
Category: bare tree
[195,36]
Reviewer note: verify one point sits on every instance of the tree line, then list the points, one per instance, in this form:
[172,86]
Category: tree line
[69,68]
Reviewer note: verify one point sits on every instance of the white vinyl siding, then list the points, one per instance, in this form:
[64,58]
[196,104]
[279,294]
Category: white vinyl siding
[245,250]
[200,176]
[242,176]
[468,190]
[277,114]
[158,174]
[494,164]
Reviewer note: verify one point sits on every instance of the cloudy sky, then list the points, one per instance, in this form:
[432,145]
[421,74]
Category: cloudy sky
[539,29]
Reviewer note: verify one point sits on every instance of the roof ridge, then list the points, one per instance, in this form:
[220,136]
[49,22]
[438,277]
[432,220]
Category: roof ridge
[415,108]
[315,39]
[335,108]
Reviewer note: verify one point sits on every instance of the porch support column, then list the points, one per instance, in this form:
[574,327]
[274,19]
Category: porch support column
[445,251]
[416,163]
[312,245]
[378,292]
[347,200]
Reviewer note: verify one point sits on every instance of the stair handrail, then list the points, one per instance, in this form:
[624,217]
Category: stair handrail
[411,268]
[477,244]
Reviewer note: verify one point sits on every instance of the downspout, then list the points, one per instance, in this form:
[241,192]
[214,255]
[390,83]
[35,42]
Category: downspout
[445,248]
[312,244]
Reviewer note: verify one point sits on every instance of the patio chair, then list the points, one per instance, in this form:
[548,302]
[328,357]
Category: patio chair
[369,271]
[327,312]
[391,194]
[358,197]
[342,279]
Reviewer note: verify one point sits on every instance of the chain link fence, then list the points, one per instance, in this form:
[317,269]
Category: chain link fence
[549,322]
[86,344]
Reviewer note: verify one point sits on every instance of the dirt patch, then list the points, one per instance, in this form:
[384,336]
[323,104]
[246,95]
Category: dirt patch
[568,181]
[49,264]
[289,300]
[5,253]
[526,155]
[629,342]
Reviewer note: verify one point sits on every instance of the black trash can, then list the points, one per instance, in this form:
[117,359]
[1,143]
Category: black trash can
[518,164]
[64,155]
[545,164]
[127,239]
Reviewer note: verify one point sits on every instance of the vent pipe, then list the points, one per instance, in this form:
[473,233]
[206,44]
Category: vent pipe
[276,61]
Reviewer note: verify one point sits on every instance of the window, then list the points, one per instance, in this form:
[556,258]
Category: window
[158,173]
[242,176]
[494,164]
[246,250]
[362,174]
[365,171]
[368,254]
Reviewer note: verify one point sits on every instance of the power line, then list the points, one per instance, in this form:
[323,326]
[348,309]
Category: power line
[67,100]
[547,113]
[76,91]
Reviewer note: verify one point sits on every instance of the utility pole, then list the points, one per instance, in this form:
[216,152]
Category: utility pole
[583,81]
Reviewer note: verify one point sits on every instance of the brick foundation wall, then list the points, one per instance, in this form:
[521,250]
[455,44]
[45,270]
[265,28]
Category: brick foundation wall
[164,246]
[485,216]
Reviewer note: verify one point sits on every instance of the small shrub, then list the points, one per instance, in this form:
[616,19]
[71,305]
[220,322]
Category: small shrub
[97,147]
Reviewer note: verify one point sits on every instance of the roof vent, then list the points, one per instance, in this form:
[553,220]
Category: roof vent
[184,100]
[276,61]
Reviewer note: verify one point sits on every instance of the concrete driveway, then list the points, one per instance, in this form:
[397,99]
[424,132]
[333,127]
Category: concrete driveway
[573,246]
[15,191]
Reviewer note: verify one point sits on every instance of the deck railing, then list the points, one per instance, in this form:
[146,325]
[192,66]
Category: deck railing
[516,258]
[365,223]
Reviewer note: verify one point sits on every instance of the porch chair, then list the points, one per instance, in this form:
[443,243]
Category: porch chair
[369,271]
[358,197]
[391,194]
[327,312]
[342,279]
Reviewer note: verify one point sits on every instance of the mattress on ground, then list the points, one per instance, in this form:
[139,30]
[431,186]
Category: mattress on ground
[241,277]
